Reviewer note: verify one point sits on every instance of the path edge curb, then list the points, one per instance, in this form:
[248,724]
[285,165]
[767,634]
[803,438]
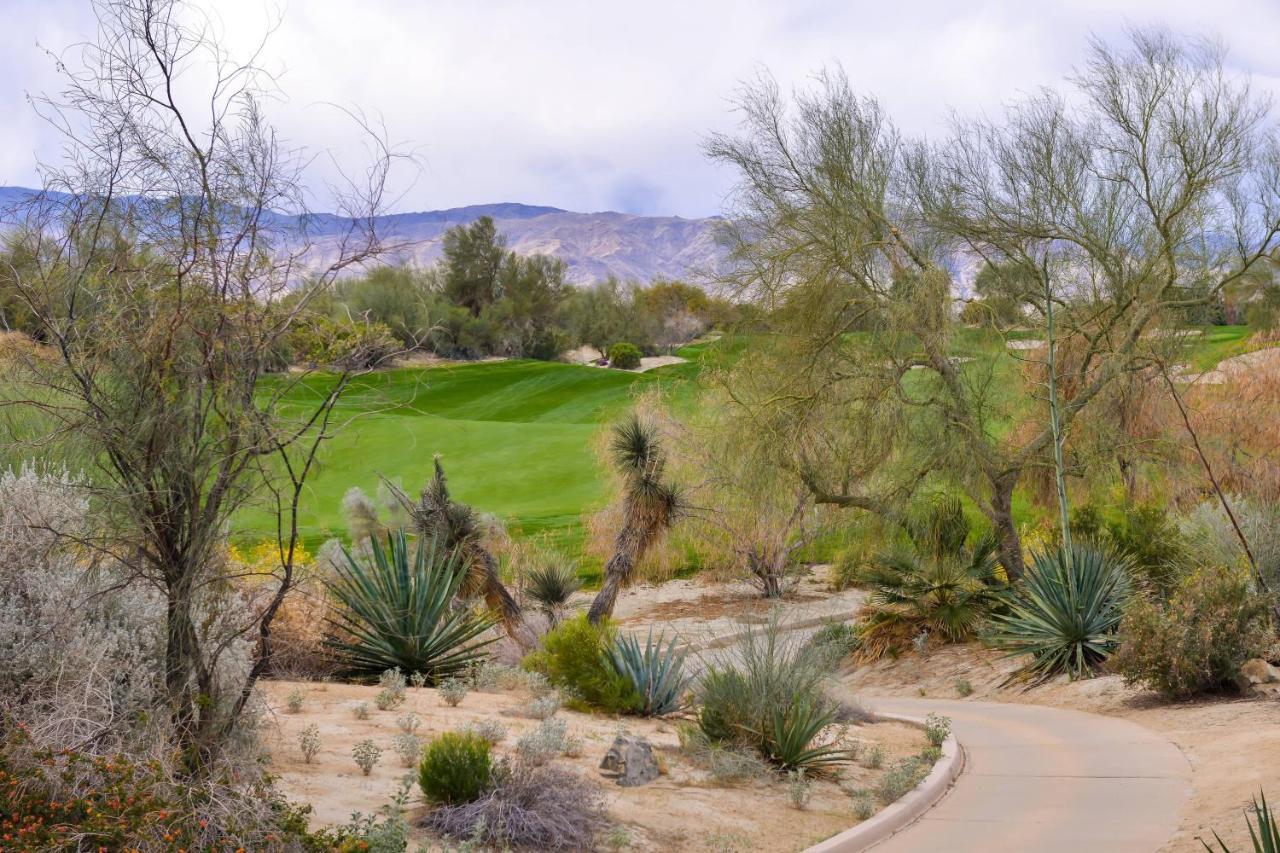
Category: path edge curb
[909,808]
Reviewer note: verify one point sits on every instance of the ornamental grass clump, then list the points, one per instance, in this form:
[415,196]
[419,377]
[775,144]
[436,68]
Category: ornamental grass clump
[551,584]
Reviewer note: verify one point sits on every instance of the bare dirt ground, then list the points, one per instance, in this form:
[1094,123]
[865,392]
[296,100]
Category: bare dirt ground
[683,810]
[1233,745]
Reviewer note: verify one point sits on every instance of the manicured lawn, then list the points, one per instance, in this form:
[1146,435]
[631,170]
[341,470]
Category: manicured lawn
[517,439]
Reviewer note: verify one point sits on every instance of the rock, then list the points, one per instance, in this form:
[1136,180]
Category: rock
[1258,671]
[630,761]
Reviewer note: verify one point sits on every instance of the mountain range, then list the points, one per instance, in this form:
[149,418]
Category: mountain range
[593,246]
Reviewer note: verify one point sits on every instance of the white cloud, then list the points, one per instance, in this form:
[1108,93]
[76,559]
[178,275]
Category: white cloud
[601,105]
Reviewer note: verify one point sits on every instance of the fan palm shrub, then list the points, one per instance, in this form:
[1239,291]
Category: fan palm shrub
[1065,612]
[396,609]
[656,671]
[550,585]
[932,584]
[650,506]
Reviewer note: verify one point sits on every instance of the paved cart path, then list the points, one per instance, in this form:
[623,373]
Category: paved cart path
[1048,780]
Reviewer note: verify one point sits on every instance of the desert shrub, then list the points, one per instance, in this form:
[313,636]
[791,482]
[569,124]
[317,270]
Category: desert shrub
[456,767]
[397,610]
[366,754]
[799,789]
[547,807]
[392,693]
[453,691]
[542,707]
[491,730]
[408,746]
[937,728]
[931,586]
[572,658]
[1211,540]
[1197,640]
[964,688]
[295,700]
[1144,534]
[728,764]
[769,694]
[551,584]
[931,754]
[1066,611]
[655,671]
[490,676]
[899,779]
[551,739]
[874,759]
[309,742]
[408,723]
[624,356]
[864,805]
[360,710]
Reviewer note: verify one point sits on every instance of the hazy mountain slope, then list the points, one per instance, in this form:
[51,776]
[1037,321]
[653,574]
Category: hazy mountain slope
[592,245]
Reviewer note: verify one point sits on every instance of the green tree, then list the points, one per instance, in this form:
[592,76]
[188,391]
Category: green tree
[473,259]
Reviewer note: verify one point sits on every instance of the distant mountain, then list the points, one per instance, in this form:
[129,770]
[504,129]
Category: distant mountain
[592,245]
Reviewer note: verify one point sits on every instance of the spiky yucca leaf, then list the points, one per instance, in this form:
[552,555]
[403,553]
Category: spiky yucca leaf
[1265,838]
[656,671]
[397,610]
[794,732]
[551,584]
[1065,612]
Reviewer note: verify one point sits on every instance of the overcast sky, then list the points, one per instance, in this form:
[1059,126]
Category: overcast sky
[601,105]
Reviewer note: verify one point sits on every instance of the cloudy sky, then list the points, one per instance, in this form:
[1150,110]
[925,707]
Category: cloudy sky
[600,105]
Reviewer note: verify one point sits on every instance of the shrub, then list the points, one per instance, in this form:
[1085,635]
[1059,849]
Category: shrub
[838,639]
[408,723]
[551,584]
[864,805]
[799,789]
[366,753]
[875,758]
[899,779]
[964,688]
[624,356]
[360,710]
[538,808]
[1196,642]
[309,742]
[408,746]
[550,739]
[727,764]
[295,700]
[452,691]
[937,728]
[397,610]
[1065,612]
[656,672]
[543,707]
[491,730]
[392,693]
[490,676]
[572,658]
[456,767]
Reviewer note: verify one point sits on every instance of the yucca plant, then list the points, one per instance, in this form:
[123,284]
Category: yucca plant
[1265,838]
[1065,612]
[794,732]
[397,609]
[551,584]
[655,670]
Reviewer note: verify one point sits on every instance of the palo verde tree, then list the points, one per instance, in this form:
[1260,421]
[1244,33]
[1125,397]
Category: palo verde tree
[156,257]
[1152,189]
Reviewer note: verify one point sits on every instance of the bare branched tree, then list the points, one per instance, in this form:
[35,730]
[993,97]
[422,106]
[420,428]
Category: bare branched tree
[1150,191]
[159,254]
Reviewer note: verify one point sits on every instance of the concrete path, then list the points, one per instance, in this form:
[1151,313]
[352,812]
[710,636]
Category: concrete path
[1047,779]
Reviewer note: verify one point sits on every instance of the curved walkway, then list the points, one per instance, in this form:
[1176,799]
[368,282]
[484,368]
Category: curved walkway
[1047,779]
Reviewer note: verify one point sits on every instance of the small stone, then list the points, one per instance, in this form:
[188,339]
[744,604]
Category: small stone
[630,761]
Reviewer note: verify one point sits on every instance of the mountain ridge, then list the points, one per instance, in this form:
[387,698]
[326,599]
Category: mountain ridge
[594,246]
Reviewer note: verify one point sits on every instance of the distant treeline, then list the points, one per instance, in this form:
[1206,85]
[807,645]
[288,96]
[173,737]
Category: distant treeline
[482,299]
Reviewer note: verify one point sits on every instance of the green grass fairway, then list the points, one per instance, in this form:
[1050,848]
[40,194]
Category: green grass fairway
[516,437]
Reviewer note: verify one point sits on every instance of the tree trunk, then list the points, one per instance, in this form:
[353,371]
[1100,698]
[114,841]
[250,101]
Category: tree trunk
[1001,514]
[185,680]
[626,553]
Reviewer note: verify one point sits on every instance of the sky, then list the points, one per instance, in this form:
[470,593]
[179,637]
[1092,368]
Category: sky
[604,105]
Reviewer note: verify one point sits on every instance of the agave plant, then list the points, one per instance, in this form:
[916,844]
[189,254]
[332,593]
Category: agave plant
[1265,838]
[1065,612]
[396,609]
[551,585]
[656,671]
[794,732]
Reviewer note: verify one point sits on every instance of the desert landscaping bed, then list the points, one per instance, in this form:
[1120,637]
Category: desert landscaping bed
[684,809]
